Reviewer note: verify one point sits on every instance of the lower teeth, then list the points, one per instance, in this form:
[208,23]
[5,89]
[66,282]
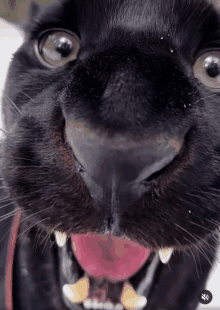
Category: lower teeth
[79,292]
[94,304]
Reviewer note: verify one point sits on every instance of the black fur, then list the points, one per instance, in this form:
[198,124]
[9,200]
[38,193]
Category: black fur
[133,74]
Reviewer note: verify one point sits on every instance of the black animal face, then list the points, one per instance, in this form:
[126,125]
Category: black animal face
[116,128]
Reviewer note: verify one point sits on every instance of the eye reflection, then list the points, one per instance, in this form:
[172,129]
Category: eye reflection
[56,48]
[207,70]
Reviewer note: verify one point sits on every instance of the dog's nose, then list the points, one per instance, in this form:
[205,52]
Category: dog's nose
[121,162]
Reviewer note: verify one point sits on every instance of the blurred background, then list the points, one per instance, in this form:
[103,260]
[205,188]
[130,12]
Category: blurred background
[10,39]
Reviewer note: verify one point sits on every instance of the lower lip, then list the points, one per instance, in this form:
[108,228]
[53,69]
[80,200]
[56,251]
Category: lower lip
[107,256]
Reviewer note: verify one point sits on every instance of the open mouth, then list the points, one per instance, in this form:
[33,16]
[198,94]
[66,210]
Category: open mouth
[105,266]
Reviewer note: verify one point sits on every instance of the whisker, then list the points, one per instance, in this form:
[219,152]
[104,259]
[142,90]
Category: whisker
[209,230]
[211,194]
[198,241]
[213,221]
[206,97]
[51,232]
[4,206]
[48,237]
[187,202]
[44,238]
[11,200]
[14,212]
[201,246]
[54,228]
[36,238]
[197,252]
[28,229]
[24,219]
[27,96]
[23,167]
[183,250]
[4,131]
[18,158]
[194,195]
[211,250]
[215,239]
[5,187]
[195,262]
[202,252]
[7,215]
[14,112]
[215,189]
[31,216]
[13,104]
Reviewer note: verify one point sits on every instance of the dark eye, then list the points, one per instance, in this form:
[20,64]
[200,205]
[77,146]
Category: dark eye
[207,69]
[56,48]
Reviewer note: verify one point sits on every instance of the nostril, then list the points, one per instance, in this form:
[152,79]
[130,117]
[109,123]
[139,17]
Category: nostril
[158,173]
[173,164]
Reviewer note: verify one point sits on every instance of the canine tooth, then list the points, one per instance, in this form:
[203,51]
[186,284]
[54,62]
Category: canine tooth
[165,255]
[68,292]
[140,303]
[77,292]
[130,299]
[60,238]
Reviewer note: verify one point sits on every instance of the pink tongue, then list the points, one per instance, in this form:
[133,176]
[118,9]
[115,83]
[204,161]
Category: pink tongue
[108,256]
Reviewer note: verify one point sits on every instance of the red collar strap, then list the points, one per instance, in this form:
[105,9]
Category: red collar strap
[10,258]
